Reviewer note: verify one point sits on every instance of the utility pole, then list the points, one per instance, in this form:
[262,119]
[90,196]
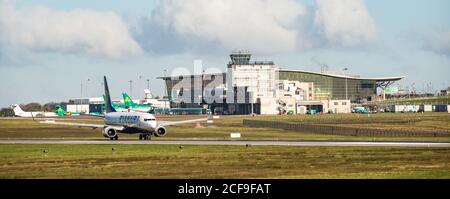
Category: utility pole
[131,87]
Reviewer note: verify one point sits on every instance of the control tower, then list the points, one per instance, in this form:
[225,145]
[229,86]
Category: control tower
[240,58]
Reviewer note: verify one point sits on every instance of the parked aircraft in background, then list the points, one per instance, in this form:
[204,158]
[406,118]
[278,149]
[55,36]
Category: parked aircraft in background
[117,107]
[360,110]
[61,112]
[130,104]
[20,113]
[144,124]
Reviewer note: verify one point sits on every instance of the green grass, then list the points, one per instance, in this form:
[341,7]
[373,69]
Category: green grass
[168,161]
[357,118]
[221,128]
[27,128]
[401,121]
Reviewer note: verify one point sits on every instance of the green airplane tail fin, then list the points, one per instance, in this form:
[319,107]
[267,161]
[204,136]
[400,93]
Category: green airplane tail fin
[128,101]
[59,111]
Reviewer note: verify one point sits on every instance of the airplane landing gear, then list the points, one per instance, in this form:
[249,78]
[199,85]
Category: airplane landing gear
[145,137]
[114,138]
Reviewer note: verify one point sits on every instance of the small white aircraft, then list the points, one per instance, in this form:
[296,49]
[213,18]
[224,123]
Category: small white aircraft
[144,124]
[20,113]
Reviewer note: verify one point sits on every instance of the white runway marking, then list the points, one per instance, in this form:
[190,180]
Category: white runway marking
[235,142]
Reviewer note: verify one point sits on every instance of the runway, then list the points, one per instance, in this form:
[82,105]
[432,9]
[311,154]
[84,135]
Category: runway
[234,142]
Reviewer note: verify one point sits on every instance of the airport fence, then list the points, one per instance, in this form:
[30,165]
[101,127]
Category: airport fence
[346,131]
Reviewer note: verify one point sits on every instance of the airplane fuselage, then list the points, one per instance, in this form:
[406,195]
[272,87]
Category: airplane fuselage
[141,123]
[20,113]
[134,122]
[36,114]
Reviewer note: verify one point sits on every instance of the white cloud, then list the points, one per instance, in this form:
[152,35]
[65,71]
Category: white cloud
[264,26]
[39,28]
[345,23]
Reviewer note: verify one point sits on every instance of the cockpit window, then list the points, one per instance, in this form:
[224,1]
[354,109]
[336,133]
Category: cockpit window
[149,119]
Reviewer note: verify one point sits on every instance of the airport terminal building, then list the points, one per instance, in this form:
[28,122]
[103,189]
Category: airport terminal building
[262,88]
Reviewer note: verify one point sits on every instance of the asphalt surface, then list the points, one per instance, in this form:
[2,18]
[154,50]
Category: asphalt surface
[233,142]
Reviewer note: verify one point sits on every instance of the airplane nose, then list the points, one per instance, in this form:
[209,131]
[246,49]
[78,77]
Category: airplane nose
[148,125]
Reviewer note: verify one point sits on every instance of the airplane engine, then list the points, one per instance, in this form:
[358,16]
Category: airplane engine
[109,132]
[160,131]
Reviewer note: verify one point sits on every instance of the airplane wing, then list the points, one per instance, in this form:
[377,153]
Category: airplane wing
[172,123]
[72,124]
[84,114]
[138,110]
[94,126]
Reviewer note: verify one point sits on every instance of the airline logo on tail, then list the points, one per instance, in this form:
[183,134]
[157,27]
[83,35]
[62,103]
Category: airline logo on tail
[127,100]
[60,111]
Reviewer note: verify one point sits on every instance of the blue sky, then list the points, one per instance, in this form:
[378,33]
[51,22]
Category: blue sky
[48,48]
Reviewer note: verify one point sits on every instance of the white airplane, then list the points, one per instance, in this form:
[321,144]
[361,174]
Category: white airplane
[144,124]
[20,113]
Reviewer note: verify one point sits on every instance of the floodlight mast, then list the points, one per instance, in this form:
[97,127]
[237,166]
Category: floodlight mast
[346,90]
[131,87]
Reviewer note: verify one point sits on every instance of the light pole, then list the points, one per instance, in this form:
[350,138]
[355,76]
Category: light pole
[252,104]
[203,87]
[101,87]
[148,84]
[139,83]
[131,88]
[165,90]
[165,84]
[87,89]
[88,80]
[346,92]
